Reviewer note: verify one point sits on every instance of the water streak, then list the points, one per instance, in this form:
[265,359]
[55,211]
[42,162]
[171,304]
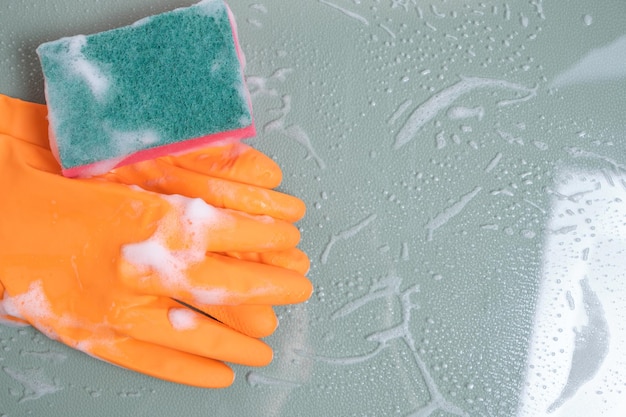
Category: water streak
[510,138]
[35,383]
[401,332]
[49,356]
[399,111]
[404,255]
[539,8]
[574,197]
[262,86]
[346,234]
[426,111]
[576,152]
[346,12]
[299,135]
[446,215]
[460,112]
[386,287]
[294,132]
[494,162]
[256,379]
[386,29]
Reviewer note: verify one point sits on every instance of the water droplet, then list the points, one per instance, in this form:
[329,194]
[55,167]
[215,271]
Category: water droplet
[93,392]
[129,394]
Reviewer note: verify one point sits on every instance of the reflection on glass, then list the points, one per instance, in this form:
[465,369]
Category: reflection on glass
[576,358]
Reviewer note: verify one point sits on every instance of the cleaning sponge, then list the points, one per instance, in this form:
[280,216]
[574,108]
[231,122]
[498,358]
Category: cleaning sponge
[165,84]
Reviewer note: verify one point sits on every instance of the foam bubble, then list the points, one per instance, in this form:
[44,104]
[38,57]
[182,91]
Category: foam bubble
[182,318]
[95,78]
[153,255]
[212,296]
[193,219]
[210,7]
[32,306]
[126,142]
[96,168]
[196,212]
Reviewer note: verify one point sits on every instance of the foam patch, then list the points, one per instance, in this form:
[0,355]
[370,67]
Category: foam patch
[166,84]
[190,221]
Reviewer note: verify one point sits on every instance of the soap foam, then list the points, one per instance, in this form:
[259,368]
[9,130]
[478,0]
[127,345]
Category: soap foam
[182,319]
[97,168]
[126,142]
[97,81]
[209,7]
[153,255]
[36,305]
[194,219]
[5,317]
[210,296]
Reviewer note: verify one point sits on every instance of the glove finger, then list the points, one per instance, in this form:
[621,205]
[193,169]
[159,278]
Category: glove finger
[292,258]
[252,320]
[217,280]
[244,282]
[249,233]
[191,224]
[162,177]
[174,326]
[163,363]
[235,162]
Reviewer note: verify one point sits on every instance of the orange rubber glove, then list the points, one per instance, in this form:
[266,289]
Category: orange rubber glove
[237,163]
[97,264]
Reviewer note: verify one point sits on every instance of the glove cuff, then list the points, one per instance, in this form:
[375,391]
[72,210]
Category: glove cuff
[24,120]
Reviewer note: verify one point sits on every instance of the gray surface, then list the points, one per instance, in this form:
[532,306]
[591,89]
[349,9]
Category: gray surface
[463,165]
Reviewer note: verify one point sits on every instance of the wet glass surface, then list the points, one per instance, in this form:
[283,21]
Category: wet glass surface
[464,168]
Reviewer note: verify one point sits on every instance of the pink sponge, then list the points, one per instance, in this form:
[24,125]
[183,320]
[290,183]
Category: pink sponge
[166,84]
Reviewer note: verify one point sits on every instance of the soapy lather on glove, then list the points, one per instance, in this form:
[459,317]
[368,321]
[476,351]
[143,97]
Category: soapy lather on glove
[98,264]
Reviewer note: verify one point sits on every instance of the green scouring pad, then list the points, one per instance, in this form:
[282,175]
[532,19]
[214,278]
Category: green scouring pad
[166,84]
